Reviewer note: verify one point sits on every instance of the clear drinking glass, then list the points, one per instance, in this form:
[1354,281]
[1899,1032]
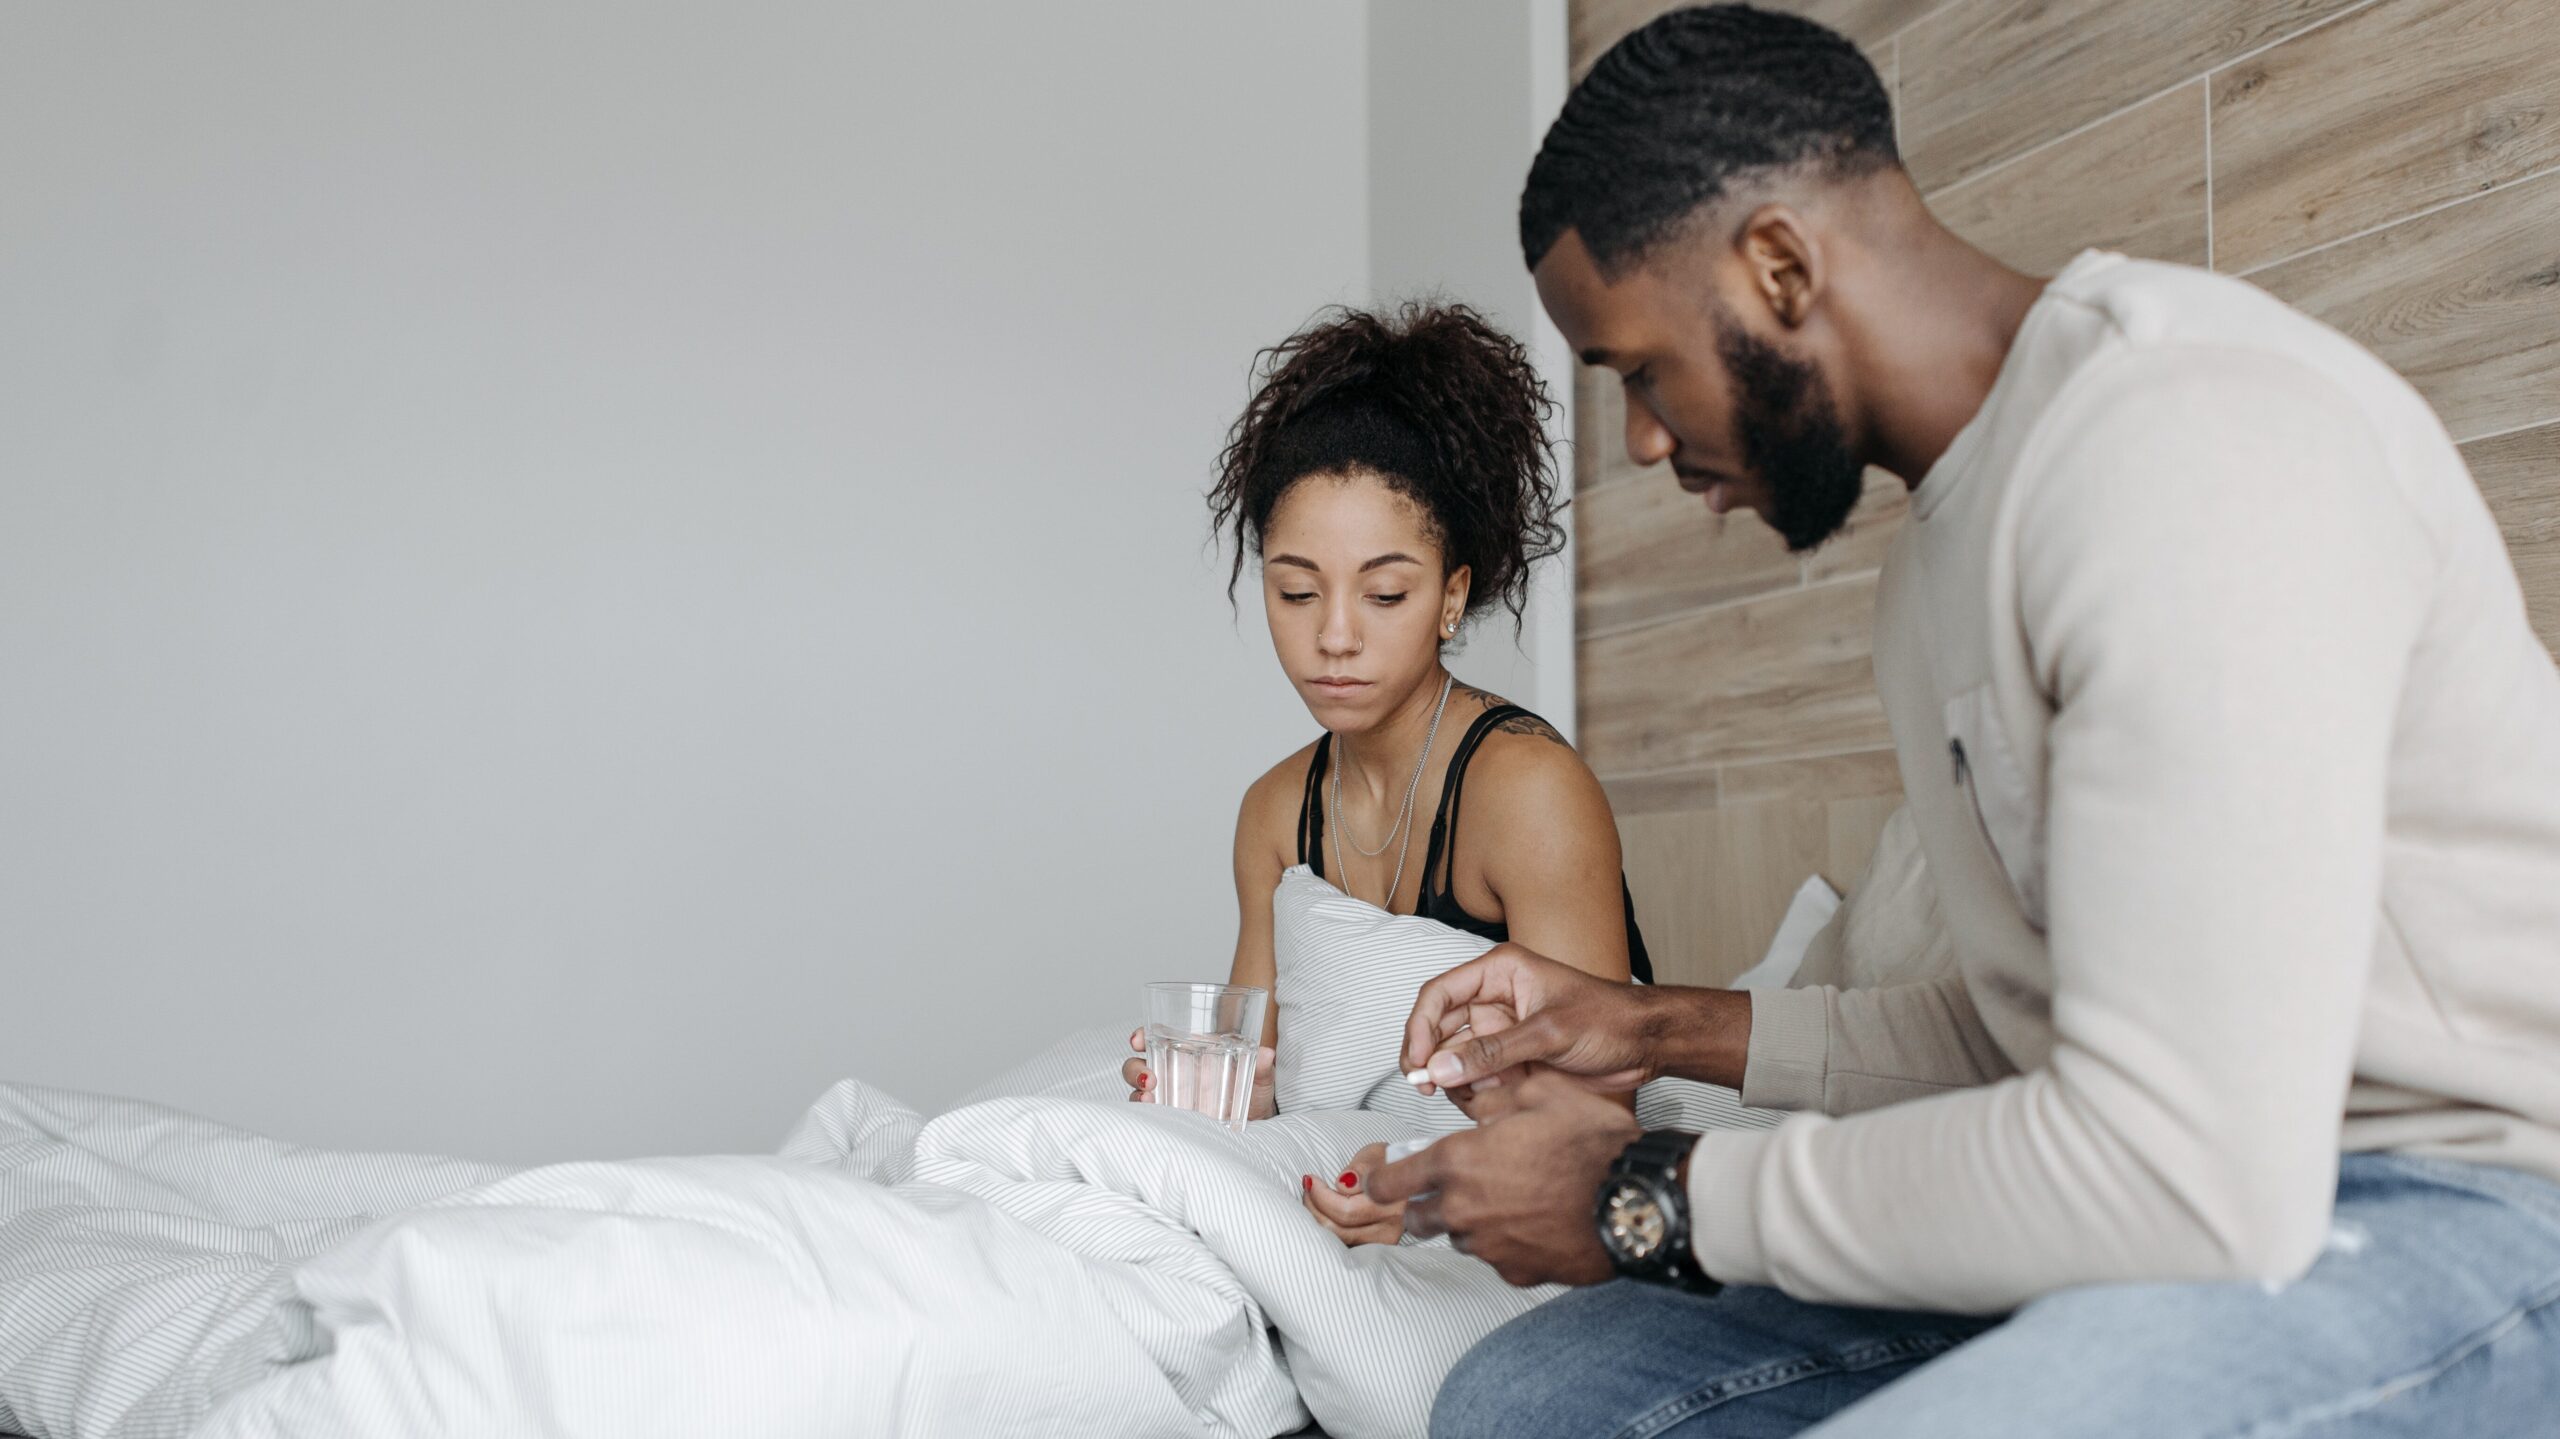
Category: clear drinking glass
[1200,1044]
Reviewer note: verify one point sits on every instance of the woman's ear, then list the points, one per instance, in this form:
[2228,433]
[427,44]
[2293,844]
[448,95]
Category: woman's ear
[1453,601]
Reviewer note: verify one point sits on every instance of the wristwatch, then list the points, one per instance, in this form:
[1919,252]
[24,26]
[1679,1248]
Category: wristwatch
[1643,1213]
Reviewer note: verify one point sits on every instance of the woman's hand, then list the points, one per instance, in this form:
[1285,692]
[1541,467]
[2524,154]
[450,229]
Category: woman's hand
[1133,1072]
[1341,1202]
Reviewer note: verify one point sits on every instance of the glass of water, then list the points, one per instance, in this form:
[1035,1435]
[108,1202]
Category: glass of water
[1200,1044]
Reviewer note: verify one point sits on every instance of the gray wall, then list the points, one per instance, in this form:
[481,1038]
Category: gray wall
[1460,93]
[569,575]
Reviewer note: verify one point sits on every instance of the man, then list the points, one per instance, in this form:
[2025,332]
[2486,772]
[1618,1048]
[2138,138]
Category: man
[2235,766]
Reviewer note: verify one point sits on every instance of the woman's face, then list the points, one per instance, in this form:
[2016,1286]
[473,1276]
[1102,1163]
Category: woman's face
[1358,603]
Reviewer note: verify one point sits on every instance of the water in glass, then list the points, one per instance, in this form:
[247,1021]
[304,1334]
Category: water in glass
[1212,1073]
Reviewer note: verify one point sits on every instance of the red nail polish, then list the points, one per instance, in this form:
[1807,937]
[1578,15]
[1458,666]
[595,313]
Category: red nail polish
[1307,1182]
[1350,1180]
[1145,1079]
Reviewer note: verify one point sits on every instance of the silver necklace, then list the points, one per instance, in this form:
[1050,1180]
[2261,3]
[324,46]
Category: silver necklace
[1409,788]
[1404,821]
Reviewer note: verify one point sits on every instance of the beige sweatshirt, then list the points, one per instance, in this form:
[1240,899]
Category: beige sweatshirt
[2236,769]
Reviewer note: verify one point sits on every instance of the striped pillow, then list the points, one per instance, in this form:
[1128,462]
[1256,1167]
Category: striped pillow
[1347,972]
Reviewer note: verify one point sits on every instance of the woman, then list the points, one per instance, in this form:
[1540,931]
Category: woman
[1392,475]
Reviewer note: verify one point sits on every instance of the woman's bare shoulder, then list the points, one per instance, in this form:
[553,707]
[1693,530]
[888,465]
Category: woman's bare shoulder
[1271,802]
[1284,783]
[1521,746]
[1526,773]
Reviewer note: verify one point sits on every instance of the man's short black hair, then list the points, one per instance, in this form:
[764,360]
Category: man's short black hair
[1678,111]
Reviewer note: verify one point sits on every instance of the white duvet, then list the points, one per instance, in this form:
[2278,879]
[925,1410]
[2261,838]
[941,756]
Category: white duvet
[1048,1260]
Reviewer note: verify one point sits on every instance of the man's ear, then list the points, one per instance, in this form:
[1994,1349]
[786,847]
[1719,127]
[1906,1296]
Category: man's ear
[1782,263]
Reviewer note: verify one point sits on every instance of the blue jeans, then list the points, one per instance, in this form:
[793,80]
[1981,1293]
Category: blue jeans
[2434,1312]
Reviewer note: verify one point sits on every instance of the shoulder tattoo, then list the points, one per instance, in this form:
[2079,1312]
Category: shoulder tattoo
[1532,726]
[1527,724]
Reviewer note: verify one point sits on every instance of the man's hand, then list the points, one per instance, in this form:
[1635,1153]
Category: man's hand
[1479,1023]
[1518,1191]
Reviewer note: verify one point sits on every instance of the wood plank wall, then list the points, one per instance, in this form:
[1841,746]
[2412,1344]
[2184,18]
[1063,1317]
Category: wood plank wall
[2392,166]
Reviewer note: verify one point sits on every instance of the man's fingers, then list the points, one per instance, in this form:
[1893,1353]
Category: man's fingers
[1478,992]
[1479,1018]
[1447,993]
[1415,1174]
[1481,1054]
[1489,1101]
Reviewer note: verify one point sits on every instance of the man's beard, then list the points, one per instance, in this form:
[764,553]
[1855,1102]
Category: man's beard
[1791,437]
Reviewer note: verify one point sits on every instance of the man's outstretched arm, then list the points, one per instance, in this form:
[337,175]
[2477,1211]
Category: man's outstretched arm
[1835,1050]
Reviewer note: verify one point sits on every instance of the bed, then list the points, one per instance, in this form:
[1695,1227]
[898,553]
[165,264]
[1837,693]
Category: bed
[1043,1258]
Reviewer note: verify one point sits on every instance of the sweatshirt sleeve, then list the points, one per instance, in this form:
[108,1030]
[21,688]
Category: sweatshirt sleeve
[2219,585]
[1844,1050]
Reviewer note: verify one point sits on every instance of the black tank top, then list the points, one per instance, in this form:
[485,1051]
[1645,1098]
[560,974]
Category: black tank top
[1439,862]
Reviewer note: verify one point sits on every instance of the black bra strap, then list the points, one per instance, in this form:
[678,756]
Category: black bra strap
[1440,864]
[1311,808]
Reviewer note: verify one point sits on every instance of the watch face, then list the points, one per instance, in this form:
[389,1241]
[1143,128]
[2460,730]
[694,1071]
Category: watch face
[1632,1223]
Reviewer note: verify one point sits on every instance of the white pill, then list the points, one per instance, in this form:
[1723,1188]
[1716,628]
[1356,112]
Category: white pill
[1417,1077]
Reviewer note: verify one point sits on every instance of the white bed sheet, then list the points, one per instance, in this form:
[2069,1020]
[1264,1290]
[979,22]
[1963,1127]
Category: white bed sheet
[1045,1259]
